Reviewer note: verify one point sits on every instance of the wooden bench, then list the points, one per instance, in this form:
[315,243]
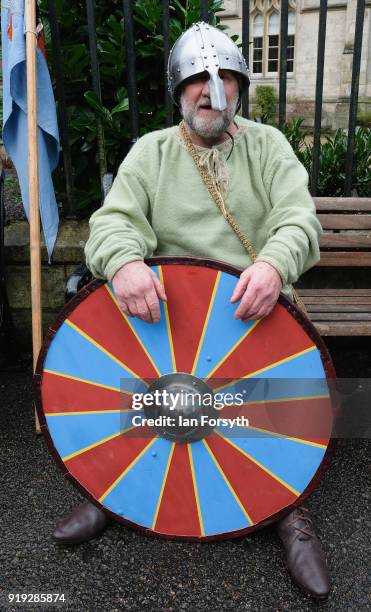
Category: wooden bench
[346,243]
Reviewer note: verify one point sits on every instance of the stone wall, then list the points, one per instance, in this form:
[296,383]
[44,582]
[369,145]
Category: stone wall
[68,253]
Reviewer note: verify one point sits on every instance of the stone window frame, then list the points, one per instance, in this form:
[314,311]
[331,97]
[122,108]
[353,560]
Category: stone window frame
[266,8]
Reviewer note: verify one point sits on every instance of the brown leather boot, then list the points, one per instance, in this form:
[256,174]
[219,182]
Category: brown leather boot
[84,523]
[305,558]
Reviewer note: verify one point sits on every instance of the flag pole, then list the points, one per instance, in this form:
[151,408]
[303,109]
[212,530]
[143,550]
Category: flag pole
[33,182]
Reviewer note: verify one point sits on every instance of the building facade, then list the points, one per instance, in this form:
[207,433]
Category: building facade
[302,54]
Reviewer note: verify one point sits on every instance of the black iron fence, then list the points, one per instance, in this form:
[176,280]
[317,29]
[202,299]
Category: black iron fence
[131,84]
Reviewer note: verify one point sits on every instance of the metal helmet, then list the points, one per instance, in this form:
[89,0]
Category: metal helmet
[205,48]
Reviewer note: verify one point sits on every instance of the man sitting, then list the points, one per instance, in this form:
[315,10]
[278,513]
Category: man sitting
[160,205]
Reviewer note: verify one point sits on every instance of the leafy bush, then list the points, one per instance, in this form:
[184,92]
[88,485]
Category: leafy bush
[83,107]
[332,159]
[296,136]
[265,103]
[364,119]
[332,163]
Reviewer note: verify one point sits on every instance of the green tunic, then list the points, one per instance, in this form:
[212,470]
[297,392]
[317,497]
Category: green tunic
[159,205]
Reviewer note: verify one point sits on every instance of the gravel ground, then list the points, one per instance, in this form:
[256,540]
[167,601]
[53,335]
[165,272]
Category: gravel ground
[125,570]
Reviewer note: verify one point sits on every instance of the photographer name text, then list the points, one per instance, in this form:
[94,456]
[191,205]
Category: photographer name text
[182,421]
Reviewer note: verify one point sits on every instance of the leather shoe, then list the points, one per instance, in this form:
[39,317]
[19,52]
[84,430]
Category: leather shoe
[305,558]
[84,523]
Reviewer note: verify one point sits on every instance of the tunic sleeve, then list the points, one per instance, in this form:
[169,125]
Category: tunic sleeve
[120,231]
[292,225]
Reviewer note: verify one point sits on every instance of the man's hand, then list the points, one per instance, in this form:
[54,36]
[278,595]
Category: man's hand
[137,289]
[258,289]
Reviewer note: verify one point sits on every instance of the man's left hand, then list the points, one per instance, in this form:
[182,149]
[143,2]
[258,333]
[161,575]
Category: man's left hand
[258,289]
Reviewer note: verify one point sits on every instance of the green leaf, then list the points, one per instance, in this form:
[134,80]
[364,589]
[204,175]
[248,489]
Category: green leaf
[100,110]
[121,107]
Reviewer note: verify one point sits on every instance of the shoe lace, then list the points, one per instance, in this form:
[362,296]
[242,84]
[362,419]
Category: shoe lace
[302,514]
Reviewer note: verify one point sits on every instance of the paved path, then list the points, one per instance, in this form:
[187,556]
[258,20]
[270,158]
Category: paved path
[124,570]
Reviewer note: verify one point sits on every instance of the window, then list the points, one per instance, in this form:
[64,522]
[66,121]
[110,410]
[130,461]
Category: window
[291,42]
[266,38]
[273,42]
[258,26]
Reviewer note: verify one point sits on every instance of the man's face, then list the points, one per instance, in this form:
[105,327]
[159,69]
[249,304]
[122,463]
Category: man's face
[196,107]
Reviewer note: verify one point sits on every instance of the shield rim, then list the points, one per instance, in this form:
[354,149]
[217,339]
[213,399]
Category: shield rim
[223,267]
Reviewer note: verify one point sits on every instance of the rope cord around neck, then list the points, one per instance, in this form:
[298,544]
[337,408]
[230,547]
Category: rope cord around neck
[215,194]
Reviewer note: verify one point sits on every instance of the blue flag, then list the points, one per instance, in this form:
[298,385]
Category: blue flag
[15,117]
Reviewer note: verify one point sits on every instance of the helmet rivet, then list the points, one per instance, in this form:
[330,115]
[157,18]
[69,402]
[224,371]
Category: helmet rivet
[206,66]
[214,55]
[178,70]
[227,58]
[192,63]
[205,56]
[202,47]
[212,45]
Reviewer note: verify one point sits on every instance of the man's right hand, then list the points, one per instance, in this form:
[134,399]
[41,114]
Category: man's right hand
[137,289]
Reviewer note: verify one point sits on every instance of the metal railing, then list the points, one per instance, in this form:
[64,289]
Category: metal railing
[204,15]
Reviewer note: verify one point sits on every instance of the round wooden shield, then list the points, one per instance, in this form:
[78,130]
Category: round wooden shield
[266,424]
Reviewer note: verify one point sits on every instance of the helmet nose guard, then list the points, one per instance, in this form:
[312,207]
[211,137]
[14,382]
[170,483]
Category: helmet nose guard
[216,92]
[205,48]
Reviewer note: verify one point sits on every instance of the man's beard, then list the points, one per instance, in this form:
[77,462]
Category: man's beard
[207,127]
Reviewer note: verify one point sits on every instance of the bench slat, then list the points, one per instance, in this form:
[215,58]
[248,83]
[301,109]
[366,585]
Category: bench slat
[344,259]
[350,241]
[319,299]
[336,308]
[340,328]
[334,292]
[344,222]
[344,316]
[339,204]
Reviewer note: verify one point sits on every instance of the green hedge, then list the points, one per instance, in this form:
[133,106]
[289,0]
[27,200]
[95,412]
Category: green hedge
[331,177]
[83,108]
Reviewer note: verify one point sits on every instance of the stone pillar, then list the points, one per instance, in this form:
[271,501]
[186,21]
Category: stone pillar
[347,58]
